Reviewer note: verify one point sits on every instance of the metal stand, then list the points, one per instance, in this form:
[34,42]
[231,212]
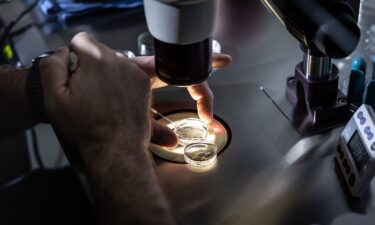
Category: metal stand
[318,104]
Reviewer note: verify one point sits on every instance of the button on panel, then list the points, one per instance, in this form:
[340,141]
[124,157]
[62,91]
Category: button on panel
[370,136]
[360,115]
[347,170]
[345,163]
[367,130]
[373,147]
[351,180]
[341,152]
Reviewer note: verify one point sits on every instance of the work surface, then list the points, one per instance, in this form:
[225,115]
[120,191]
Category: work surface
[269,174]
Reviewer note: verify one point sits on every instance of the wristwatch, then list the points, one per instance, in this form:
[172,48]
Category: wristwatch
[34,88]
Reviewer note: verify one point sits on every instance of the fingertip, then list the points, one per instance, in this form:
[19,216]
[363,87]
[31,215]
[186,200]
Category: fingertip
[220,60]
[83,45]
[169,140]
[81,36]
[172,141]
[207,117]
[146,63]
[163,136]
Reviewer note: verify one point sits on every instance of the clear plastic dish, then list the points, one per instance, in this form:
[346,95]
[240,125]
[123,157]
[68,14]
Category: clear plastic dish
[200,154]
[190,131]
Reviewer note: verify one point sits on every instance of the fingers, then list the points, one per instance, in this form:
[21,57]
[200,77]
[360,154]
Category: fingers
[220,60]
[163,135]
[54,71]
[147,63]
[85,47]
[204,97]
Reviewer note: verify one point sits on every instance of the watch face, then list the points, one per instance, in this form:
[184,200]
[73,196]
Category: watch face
[42,56]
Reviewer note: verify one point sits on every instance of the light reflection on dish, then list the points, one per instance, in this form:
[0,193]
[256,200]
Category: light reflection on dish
[216,133]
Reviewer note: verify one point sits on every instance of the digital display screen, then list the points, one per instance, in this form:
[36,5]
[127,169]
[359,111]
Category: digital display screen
[358,152]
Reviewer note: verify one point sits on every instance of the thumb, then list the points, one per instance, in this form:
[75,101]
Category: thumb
[54,72]
[163,135]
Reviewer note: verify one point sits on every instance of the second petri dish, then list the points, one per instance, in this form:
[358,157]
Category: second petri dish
[200,154]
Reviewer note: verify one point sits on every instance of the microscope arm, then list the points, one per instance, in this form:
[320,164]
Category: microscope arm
[323,27]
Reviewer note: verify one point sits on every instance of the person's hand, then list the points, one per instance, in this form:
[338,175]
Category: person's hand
[107,98]
[102,109]
[201,93]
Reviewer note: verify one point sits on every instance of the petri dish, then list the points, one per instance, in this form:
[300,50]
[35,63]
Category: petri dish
[218,133]
[200,154]
[191,130]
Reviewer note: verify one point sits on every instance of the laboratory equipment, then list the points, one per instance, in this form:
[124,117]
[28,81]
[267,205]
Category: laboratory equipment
[183,49]
[356,87]
[355,153]
[145,43]
[191,130]
[366,22]
[326,30]
[370,94]
[359,63]
[366,45]
[201,154]
[218,132]
[161,115]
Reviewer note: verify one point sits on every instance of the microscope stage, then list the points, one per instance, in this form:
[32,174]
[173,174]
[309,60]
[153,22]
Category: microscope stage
[218,132]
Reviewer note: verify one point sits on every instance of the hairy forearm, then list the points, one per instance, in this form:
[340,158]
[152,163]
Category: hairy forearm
[124,186]
[15,113]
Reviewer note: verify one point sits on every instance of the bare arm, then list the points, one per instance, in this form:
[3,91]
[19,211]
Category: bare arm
[15,113]
[125,187]
[102,109]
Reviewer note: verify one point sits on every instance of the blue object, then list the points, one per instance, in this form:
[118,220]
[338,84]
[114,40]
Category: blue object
[360,115]
[370,136]
[356,87]
[69,9]
[367,130]
[370,94]
[359,63]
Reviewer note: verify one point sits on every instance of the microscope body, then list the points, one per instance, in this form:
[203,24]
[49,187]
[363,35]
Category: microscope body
[326,30]
[182,32]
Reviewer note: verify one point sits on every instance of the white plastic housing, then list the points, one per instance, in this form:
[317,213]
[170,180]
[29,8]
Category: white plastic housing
[181,21]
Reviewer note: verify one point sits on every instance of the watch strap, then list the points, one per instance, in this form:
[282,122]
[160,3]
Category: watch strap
[35,89]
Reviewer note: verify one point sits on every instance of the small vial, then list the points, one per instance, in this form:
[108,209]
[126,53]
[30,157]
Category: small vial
[145,44]
[191,130]
[200,154]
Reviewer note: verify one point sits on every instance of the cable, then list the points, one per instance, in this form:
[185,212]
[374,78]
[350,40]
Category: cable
[21,30]
[8,29]
[5,1]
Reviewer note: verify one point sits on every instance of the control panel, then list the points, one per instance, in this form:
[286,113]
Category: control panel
[355,151]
